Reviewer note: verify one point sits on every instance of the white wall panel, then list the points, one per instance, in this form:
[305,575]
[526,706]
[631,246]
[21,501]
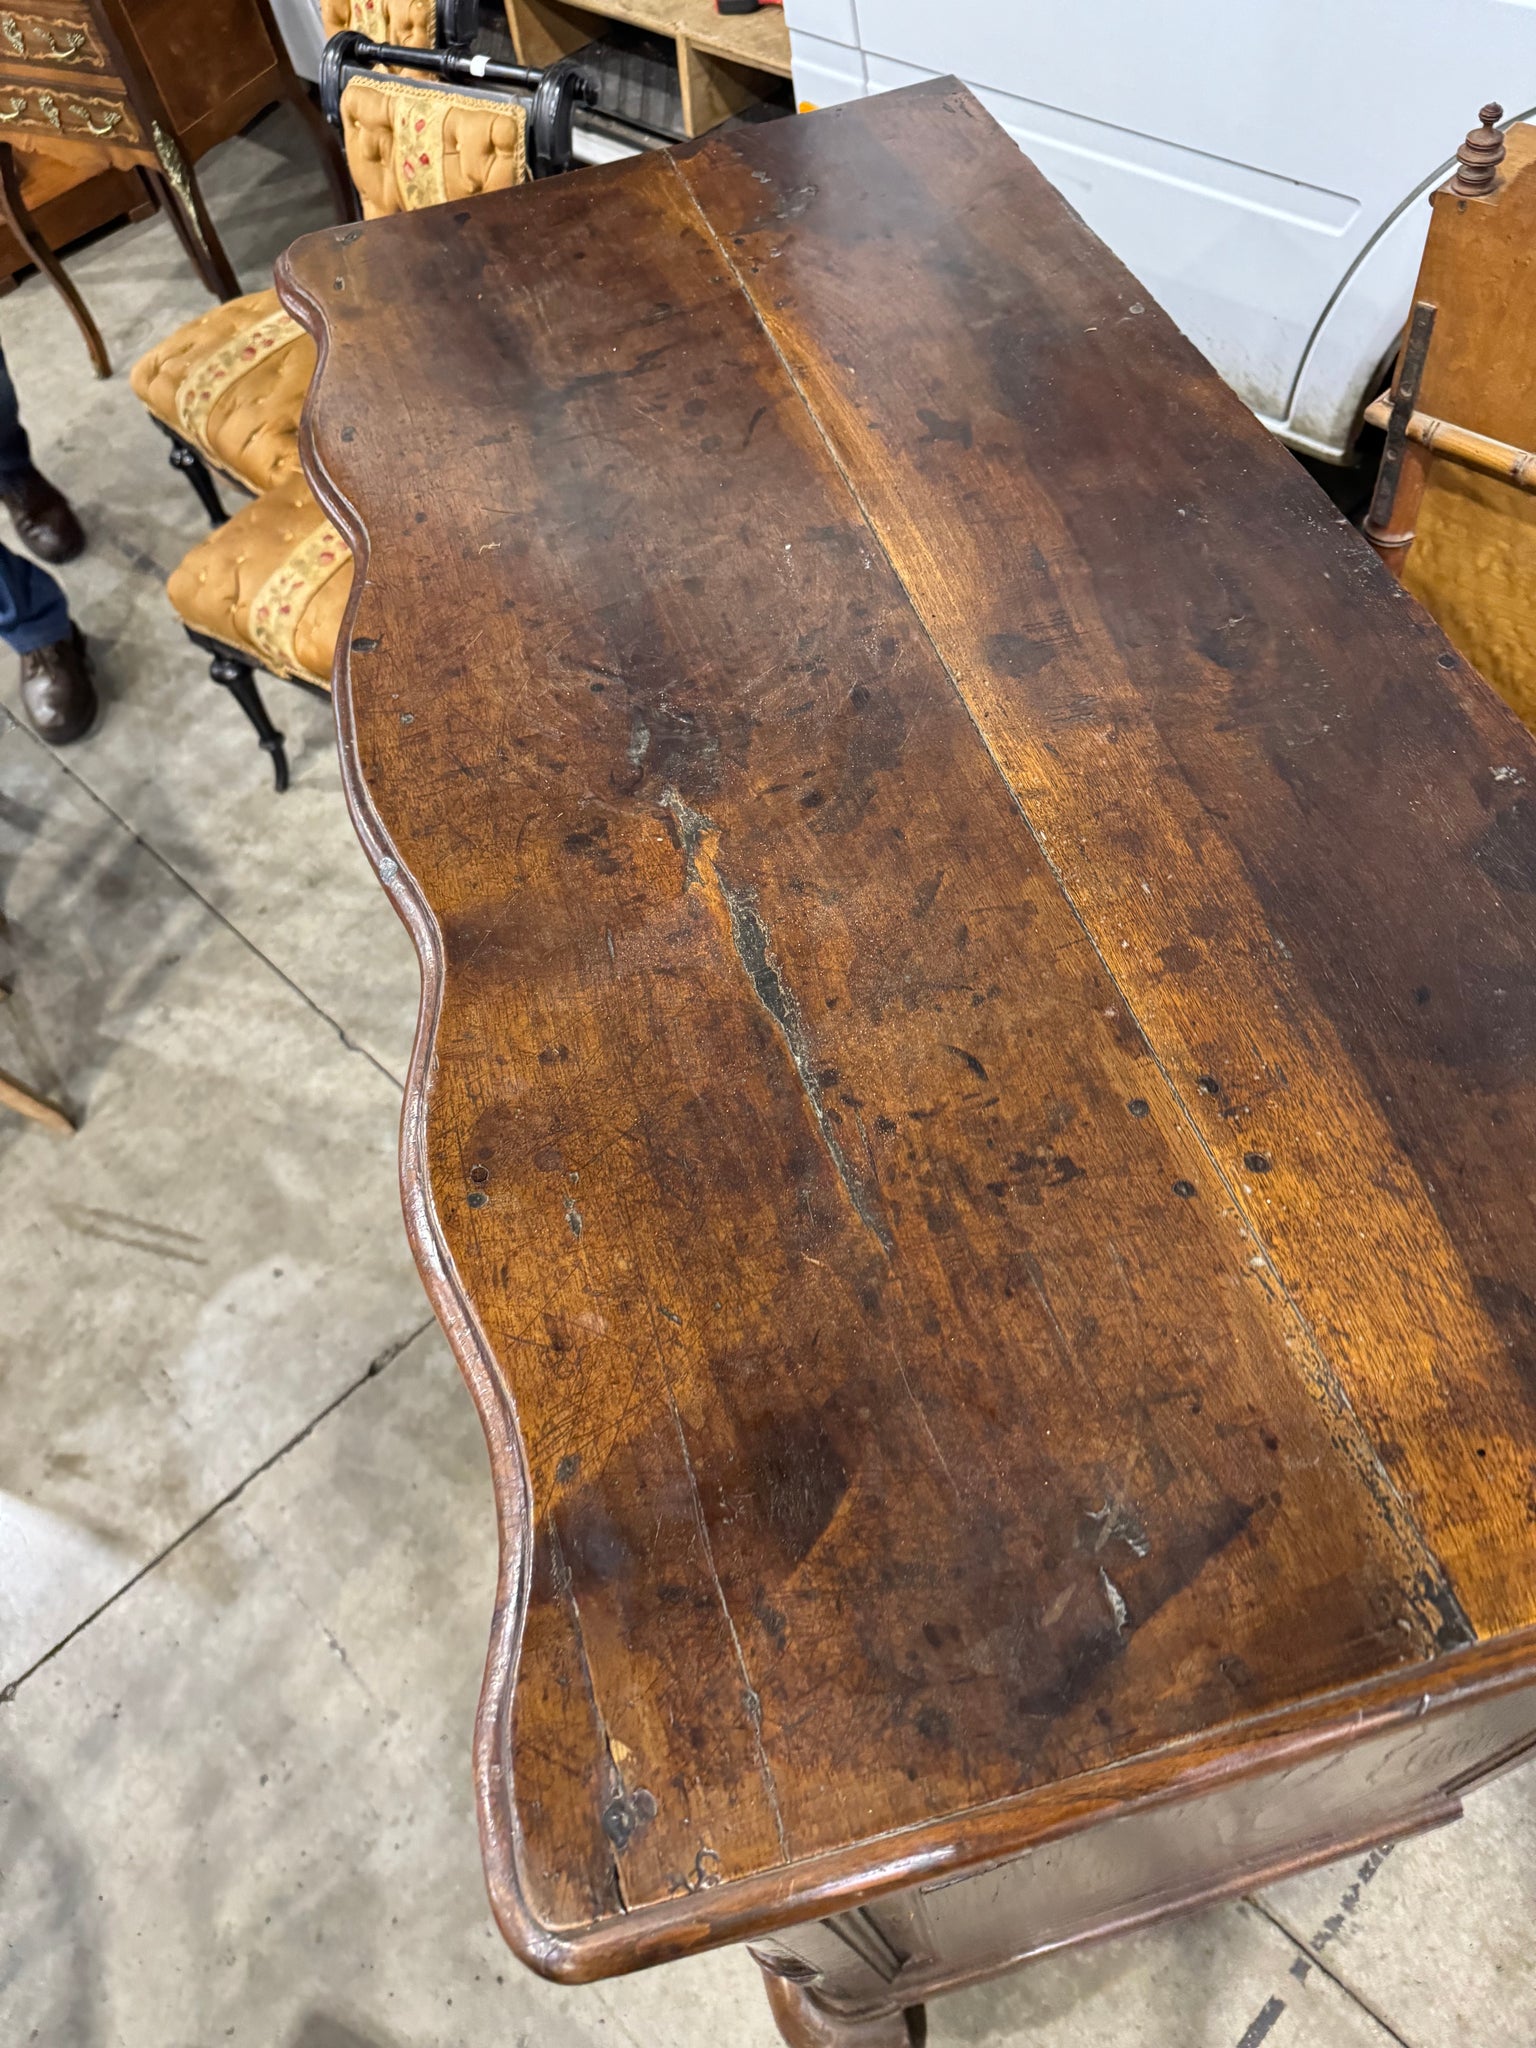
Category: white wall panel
[825,73]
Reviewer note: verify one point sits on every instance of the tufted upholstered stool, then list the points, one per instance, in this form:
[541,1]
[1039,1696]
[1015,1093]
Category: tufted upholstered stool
[228,386]
[267,588]
[411,22]
[273,580]
[410,146]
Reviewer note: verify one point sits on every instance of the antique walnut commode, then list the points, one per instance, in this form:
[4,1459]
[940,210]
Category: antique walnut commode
[972,1119]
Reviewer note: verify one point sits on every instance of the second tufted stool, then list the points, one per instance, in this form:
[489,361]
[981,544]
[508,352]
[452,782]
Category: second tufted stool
[267,590]
[228,387]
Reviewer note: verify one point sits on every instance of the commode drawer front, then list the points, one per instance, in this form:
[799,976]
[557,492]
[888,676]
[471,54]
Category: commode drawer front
[92,113]
[60,37]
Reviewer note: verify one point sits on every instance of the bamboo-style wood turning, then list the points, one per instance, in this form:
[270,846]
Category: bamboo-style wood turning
[1453,513]
[1459,444]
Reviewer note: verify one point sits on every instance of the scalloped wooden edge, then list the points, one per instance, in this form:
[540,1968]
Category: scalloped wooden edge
[743,1908]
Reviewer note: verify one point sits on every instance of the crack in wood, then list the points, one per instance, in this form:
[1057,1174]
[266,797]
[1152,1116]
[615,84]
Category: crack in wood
[560,1573]
[751,1699]
[754,949]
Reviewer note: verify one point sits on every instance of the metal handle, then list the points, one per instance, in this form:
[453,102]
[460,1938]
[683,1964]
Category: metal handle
[96,127]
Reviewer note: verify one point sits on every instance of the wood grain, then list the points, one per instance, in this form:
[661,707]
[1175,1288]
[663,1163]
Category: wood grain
[843,814]
[1301,865]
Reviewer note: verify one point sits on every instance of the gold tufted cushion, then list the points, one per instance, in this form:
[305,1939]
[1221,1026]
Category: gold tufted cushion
[273,583]
[411,23]
[410,146]
[232,383]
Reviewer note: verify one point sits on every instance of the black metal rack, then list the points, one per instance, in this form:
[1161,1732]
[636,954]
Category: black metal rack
[552,95]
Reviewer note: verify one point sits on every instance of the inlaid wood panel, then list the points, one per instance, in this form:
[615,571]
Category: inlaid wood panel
[94,113]
[60,36]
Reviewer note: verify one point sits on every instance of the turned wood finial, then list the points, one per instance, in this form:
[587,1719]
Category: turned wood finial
[1479,157]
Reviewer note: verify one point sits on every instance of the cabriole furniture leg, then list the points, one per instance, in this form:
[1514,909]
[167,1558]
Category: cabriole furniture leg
[21,224]
[805,2024]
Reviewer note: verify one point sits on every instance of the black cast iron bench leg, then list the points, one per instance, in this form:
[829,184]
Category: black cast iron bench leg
[230,669]
[186,461]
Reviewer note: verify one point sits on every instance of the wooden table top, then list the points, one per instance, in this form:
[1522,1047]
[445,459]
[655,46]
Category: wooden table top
[972,1122]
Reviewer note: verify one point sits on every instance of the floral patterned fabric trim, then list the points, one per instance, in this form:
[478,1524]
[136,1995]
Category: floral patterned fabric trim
[418,152]
[417,162]
[211,375]
[287,594]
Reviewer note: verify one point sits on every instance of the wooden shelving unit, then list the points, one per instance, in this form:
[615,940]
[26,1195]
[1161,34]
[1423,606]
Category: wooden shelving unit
[724,61]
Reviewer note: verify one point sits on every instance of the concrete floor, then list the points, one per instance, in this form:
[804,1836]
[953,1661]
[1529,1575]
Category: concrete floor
[246,1557]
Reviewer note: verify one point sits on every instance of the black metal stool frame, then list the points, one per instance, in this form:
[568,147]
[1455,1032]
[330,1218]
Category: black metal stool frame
[233,670]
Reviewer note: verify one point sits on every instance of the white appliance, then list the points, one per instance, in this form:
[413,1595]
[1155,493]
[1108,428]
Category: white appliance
[1261,167]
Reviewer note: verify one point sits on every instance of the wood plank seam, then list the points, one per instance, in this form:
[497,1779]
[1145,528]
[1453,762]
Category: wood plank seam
[1411,1287]
[1436,1598]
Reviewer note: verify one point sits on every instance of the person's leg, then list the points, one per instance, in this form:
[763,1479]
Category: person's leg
[39,510]
[57,692]
[15,449]
[34,612]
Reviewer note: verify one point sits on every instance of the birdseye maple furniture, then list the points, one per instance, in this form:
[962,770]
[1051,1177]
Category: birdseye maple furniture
[148,86]
[972,1115]
[1454,513]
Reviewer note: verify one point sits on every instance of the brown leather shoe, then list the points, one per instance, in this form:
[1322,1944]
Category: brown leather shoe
[57,691]
[43,517]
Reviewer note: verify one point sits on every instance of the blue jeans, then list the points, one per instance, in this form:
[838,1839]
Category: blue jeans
[34,611]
